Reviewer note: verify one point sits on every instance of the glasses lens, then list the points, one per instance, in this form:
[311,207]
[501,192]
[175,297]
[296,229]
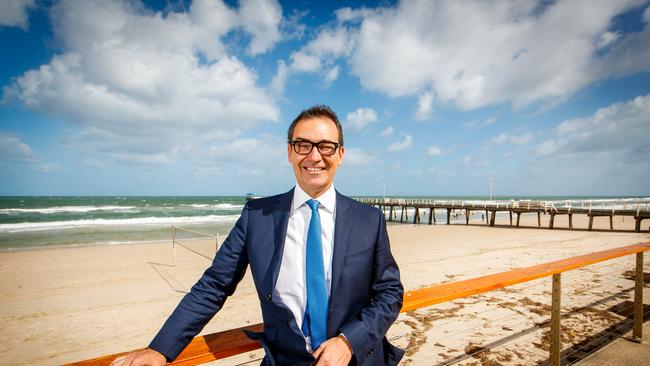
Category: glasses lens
[302,147]
[326,148]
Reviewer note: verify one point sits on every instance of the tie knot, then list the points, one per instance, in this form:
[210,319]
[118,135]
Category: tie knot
[313,204]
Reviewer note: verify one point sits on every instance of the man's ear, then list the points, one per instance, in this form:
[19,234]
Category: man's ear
[341,153]
[289,152]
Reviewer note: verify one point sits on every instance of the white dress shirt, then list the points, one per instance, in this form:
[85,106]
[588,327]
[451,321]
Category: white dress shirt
[290,288]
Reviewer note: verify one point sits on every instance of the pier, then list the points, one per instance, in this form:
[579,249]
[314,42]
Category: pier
[639,210]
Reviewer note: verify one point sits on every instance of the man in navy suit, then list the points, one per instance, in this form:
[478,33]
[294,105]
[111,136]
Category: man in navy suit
[328,285]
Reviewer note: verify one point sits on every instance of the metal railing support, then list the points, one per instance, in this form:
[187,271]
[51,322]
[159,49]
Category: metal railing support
[555,341]
[637,330]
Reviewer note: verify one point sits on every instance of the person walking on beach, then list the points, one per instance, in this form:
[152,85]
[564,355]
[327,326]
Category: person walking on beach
[327,282]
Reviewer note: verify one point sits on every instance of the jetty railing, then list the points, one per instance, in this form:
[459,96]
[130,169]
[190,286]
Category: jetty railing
[232,342]
[639,209]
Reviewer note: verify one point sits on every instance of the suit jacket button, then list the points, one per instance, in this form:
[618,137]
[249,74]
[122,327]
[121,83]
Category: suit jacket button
[268,296]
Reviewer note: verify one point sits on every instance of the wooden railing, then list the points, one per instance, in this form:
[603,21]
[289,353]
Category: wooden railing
[232,342]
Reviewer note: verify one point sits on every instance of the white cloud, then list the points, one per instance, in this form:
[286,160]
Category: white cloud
[301,61]
[246,156]
[261,18]
[473,54]
[387,132]
[332,74]
[13,149]
[620,127]
[435,150]
[360,118]
[503,138]
[401,145]
[356,157]
[144,86]
[425,105]
[14,13]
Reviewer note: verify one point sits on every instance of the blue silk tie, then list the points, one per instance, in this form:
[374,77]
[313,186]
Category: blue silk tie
[315,322]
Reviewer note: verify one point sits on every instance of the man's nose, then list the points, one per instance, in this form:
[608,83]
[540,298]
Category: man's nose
[314,155]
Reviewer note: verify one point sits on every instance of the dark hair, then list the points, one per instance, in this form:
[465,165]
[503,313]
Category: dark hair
[318,110]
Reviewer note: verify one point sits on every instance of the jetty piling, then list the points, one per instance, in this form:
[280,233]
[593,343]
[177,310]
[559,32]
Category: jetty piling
[638,210]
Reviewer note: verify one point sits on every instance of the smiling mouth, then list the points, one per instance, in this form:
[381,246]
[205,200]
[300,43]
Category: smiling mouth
[313,169]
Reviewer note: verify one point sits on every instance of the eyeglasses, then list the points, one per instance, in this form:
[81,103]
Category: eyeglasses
[325,148]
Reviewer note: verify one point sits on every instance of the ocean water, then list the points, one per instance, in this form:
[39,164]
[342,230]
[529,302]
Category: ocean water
[27,222]
[32,222]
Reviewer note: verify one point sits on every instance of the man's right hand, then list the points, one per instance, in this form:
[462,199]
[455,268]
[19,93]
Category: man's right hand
[145,357]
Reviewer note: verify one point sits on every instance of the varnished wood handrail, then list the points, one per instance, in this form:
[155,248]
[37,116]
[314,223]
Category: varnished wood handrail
[231,342]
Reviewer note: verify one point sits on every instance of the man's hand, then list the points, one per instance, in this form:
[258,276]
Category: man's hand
[145,357]
[333,352]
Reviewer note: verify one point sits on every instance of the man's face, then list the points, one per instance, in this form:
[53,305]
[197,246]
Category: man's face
[315,172]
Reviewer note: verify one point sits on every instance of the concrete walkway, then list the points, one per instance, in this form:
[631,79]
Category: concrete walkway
[622,352]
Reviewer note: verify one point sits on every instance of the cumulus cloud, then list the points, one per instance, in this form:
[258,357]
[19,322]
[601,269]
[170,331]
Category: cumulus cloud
[320,54]
[14,150]
[621,127]
[146,86]
[406,143]
[425,106]
[514,52]
[261,19]
[360,118]
[14,13]
[504,138]
[387,132]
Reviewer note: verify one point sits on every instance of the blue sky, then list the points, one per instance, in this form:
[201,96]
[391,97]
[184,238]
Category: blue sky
[194,98]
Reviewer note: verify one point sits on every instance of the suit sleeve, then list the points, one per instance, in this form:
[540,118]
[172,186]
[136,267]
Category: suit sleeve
[367,330]
[208,295]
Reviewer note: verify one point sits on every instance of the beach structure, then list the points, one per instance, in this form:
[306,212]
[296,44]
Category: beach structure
[639,210]
[232,342]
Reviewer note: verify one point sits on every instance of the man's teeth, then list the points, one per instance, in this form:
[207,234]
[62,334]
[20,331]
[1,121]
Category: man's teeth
[314,169]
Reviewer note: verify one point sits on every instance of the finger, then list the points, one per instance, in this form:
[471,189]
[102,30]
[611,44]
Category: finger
[118,361]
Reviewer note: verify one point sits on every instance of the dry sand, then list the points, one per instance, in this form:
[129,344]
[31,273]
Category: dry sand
[68,304]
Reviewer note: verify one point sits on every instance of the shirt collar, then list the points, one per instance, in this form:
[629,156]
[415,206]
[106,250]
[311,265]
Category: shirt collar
[327,200]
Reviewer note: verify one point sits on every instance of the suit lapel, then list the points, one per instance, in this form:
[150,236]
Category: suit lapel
[342,230]
[281,209]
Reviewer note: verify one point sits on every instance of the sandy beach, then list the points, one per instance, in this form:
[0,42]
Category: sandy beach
[68,304]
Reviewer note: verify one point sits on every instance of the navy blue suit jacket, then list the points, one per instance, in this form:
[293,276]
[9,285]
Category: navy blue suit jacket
[366,292]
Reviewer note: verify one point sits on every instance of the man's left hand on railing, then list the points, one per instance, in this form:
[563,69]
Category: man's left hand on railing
[145,357]
[333,352]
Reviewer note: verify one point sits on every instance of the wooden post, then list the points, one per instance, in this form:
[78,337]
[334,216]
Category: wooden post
[570,221]
[637,330]
[493,218]
[555,341]
[448,216]
[416,215]
[401,215]
[466,217]
[430,214]
[539,218]
[518,215]
[637,226]
[611,222]
[550,223]
[390,213]
[510,217]
[434,215]
[174,243]
[591,222]
[406,214]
